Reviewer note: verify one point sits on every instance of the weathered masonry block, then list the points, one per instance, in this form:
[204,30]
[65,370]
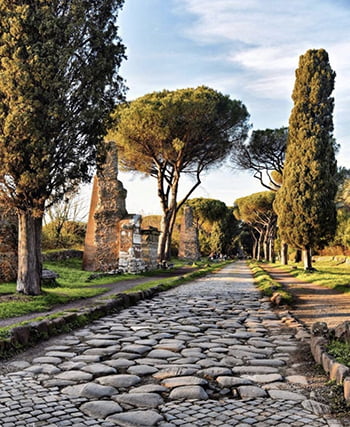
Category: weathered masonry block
[189,243]
[107,208]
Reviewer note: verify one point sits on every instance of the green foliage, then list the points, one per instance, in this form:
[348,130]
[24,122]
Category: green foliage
[340,351]
[59,64]
[305,202]
[264,153]
[70,235]
[169,133]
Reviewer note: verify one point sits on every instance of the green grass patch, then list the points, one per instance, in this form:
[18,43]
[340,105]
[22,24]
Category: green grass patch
[329,273]
[266,284]
[340,351]
[72,285]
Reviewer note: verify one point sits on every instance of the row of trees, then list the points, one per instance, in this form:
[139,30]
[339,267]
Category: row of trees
[60,83]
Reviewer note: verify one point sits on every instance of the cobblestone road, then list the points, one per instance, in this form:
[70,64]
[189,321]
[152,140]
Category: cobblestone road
[209,353]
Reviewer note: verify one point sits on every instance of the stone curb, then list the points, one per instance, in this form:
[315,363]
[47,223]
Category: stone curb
[22,337]
[335,370]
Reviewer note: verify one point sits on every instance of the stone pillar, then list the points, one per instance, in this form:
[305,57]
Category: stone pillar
[101,251]
[189,244]
[149,249]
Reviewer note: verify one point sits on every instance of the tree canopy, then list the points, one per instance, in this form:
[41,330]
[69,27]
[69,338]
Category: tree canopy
[169,133]
[305,202]
[263,153]
[59,64]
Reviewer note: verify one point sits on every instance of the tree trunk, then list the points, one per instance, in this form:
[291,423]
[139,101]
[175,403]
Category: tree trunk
[164,237]
[298,256]
[284,253]
[29,254]
[272,256]
[307,258]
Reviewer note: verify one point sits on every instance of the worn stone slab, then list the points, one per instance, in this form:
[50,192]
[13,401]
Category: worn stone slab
[226,381]
[182,381]
[76,376]
[174,371]
[162,354]
[136,418]
[286,395]
[188,392]
[251,392]
[100,408]
[43,359]
[99,369]
[149,388]
[142,370]
[257,370]
[122,380]
[136,348]
[264,378]
[140,399]
[89,390]
[215,371]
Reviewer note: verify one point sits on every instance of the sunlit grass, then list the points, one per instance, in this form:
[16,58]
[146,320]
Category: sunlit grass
[332,274]
[264,282]
[73,284]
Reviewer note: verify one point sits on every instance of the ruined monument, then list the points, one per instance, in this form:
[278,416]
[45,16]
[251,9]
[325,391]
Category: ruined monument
[114,239]
[189,243]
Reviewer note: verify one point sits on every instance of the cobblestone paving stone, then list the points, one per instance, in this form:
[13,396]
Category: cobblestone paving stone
[208,353]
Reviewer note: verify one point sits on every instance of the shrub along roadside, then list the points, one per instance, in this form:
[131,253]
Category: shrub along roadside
[264,282]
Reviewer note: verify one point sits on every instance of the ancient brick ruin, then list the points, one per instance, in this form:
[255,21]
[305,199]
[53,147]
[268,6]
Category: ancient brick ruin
[114,239]
[189,243]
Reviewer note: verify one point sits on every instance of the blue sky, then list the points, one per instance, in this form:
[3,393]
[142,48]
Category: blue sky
[247,49]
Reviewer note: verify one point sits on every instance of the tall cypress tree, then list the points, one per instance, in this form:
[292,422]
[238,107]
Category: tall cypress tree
[305,202]
[59,63]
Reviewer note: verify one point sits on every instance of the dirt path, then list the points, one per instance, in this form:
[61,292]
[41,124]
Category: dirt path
[313,303]
[114,288]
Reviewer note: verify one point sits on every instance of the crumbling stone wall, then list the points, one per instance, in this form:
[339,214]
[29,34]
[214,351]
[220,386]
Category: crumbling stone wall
[189,243]
[114,239]
[8,246]
[101,251]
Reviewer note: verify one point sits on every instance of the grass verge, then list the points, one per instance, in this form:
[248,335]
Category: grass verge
[72,286]
[340,351]
[329,273]
[266,284]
